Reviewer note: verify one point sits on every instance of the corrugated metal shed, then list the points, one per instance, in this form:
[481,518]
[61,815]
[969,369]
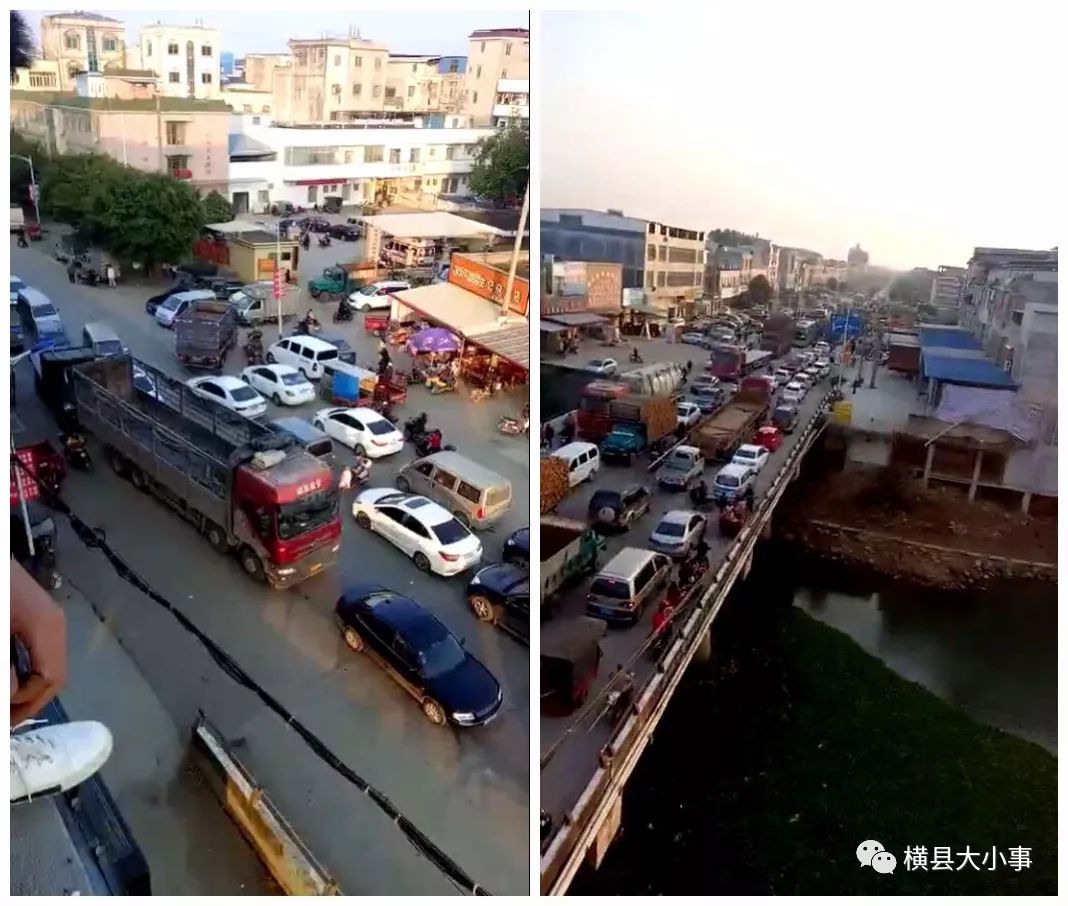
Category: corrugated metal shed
[967,371]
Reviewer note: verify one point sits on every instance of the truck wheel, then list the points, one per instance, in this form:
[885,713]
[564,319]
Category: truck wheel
[251,564]
[314,293]
[117,462]
[216,538]
[137,479]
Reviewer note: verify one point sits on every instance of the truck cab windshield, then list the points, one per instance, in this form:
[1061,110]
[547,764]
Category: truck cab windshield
[296,519]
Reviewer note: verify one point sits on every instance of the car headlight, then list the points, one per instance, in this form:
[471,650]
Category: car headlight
[286,572]
[463,717]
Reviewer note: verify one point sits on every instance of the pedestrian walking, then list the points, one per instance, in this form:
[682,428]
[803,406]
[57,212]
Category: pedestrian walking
[345,481]
[110,271]
[70,271]
[550,434]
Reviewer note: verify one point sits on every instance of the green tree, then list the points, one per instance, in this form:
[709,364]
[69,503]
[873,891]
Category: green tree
[502,165]
[217,209]
[152,219]
[23,46]
[77,189]
[832,284]
[730,237]
[760,290]
[742,301]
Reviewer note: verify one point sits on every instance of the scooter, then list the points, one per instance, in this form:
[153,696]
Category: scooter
[438,385]
[415,427]
[307,328]
[254,347]
[344,311]
[76,451]
[636,357]
[324,240]
[512,427]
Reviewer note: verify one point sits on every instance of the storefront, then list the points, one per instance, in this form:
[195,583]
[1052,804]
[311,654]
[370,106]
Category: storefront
[496,343]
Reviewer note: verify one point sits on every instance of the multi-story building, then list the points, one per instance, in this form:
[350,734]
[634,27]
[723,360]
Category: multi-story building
[424,83]
[773,267]
[82,42]
[184,137]
[577,234]
[512,106]
[674,265]
[41,75]
[727,272]
[332,80]
[494,55]
[367,162]
[819,272]
[945,292]
[185,57]
[266,71]
[857,258]
[243,98]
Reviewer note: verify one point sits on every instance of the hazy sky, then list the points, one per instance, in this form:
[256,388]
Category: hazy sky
[918,136]
[267,32]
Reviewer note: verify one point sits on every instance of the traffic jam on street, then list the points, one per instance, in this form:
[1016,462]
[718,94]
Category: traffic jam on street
[644,487]
[338,501]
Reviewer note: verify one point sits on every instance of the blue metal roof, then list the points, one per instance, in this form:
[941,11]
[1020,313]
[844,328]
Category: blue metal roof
[946,338]
[969,372]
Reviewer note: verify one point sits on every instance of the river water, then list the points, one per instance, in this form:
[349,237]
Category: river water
[993,655]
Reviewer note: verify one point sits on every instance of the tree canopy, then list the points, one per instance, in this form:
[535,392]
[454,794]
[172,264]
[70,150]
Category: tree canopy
[217,209]
[730,237]
[760,290]
[140,217]
[502,165]
[23,45]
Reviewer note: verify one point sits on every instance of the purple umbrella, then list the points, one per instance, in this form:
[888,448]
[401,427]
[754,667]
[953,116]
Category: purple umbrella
[434,339]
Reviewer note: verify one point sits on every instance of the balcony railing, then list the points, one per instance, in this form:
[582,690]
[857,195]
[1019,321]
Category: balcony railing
[183,173]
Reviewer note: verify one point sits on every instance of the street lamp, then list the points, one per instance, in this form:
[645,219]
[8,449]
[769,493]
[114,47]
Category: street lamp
[33,185]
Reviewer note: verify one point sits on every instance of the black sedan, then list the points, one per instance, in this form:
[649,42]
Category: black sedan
[425,659]
[156,301]
[500,594]
[345,231]
[314,224]
[517,548]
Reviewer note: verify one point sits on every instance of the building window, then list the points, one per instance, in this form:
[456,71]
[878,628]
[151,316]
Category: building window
[72,41]
[652,281]
[652,252]
[205,78]
[507,50]
[348,155]
[482,49]
[411,91]
[177,162]
[504,73]
[357,62]
[357,90]
[255,121]
[301,57]
[449,149]
[172,49]
[176,133]
[413,156]
[110,45]
[478,71]
[394,155]
[376,91]
[205,50]
[373,154]
[474,97]
[378,62]
[660,281]
[148,48]
[454,66]
[337,59]
[174,77]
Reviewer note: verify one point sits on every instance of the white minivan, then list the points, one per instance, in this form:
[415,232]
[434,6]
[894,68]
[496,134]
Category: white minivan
[307,354]
[376,295]
[583,460]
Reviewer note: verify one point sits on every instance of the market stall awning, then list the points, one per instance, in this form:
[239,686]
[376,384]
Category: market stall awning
[650,311]
[431,225]
[512,342]
[576,318]
[472,317]
[549,327]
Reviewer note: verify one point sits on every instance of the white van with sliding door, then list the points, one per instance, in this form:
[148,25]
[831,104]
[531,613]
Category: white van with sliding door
[583,460]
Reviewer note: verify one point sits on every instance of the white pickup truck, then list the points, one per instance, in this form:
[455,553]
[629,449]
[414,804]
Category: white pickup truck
[18,218]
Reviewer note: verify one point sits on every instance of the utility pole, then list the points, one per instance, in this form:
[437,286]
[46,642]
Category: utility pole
[515,252]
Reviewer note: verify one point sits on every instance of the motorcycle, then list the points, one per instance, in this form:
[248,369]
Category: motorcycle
[636,357]
[324,240]
[307,328]
[254,347]
[76,451]
[512,427]
[415,427]
[344,311]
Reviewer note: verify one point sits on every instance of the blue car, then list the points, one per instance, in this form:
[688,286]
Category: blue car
[422,656]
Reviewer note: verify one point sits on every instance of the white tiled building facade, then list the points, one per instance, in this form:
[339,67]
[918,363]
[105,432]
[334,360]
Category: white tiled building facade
[185,57]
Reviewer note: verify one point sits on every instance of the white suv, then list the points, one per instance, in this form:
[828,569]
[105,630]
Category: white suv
[376,295]
[307,354]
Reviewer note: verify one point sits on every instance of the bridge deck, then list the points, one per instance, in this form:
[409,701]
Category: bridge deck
[572,742]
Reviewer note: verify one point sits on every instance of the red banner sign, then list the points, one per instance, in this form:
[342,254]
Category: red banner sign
[30,491]
[488,282]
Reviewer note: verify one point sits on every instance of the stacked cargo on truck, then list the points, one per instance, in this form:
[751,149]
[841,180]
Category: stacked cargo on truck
[777,335]
[734,424]
[595,418]
[204,333]
[245,487]
[637,423]
[569,548]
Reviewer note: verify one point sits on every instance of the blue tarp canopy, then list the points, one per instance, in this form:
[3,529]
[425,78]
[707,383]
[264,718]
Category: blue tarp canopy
[947,338]
[965,371]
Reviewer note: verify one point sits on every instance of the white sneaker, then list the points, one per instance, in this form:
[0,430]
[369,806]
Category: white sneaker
[56,758]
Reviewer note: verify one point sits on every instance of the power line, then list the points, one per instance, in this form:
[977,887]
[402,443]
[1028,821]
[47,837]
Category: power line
[94,538]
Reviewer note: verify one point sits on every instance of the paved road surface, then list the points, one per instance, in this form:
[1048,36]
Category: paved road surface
[468,791]
[573,763]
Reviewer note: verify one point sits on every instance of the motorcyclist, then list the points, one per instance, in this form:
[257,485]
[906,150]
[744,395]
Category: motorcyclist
[431,443]
[305,241]
[635,356]
[310,322]
[416,427]
[362,469]
[699,493]
[344,309]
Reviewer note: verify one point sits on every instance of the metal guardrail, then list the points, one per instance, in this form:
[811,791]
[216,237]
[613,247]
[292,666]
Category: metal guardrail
[565,853]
